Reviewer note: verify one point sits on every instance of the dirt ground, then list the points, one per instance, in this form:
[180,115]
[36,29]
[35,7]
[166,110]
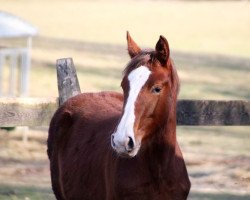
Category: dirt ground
[24,168]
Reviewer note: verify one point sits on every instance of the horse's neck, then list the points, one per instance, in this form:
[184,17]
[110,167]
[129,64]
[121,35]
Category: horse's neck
[162,148]
[167,167]
[161,151]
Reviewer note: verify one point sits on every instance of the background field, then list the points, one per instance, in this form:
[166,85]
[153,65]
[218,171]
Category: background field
[211,49]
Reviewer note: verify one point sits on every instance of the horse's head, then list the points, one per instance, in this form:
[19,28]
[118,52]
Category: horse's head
[150,85]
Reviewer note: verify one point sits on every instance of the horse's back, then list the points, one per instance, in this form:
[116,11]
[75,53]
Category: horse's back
[79,141]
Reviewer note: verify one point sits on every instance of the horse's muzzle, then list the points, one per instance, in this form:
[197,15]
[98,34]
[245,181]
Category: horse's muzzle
[126,147]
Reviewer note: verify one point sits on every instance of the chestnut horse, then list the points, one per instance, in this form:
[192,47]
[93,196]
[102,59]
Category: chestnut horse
[112,146]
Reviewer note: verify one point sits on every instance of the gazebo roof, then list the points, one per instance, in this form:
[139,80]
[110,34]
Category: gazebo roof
[12,26]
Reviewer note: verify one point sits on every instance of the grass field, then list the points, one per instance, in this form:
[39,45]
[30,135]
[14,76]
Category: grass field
[211,49]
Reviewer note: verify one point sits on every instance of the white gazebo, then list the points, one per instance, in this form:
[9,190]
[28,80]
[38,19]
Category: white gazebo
[15,45]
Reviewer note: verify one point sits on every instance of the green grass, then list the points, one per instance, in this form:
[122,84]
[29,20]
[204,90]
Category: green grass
[10,192]
[35,193]
[217,196]
[100,66]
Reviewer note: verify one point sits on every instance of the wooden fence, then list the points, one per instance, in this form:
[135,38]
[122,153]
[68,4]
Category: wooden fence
[39,111]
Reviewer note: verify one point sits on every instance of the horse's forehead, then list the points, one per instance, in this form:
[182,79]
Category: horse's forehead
[159,73]
[138,78]
[147,74]
[140,73]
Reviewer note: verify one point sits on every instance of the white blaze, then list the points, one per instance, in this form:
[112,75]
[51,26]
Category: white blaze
[137,79]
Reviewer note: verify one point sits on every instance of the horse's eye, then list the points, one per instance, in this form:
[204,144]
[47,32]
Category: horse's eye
[156,90]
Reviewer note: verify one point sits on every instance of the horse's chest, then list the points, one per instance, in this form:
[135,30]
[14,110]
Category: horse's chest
[142,190]
[137,182]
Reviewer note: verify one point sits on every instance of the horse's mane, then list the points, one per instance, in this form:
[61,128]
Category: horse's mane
[141,59]
[175,78]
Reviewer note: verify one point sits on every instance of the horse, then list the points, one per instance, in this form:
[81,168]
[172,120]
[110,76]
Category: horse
[113,146]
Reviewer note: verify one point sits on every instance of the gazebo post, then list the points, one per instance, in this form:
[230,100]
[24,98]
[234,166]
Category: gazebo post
[25,68]
[1,73]
[22,30]
[13,70]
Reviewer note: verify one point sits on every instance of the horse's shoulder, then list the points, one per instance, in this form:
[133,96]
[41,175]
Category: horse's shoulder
[90,104]
[85,108]
[99,99]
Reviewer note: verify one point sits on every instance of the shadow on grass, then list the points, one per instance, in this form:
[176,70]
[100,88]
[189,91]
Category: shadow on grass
[229,72]
[103,72]
[91,70]
[10,192]
[234,90]
[97,48]
[217,196]
[213,60]
[28,162]
[222,61]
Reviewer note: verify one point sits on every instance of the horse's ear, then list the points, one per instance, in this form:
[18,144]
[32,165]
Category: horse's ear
[133,48]
[162,50]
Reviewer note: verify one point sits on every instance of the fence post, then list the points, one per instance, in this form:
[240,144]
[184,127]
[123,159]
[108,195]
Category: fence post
[67,81]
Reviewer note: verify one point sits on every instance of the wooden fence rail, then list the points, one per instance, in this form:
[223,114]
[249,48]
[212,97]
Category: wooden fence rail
[27,111]
[39,111]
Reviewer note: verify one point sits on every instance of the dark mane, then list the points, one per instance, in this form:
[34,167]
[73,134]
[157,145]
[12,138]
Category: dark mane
[139,60]
[175,78]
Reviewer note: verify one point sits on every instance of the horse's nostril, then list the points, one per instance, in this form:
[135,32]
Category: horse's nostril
[130,144]
[112,140]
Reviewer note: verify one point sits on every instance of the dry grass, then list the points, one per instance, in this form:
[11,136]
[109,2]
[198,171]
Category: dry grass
[24,166]
[210,27]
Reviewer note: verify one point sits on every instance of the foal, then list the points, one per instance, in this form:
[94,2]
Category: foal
[112,146]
